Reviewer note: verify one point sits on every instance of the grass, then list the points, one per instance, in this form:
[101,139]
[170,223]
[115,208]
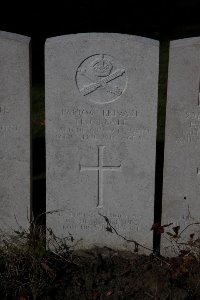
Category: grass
[30,270]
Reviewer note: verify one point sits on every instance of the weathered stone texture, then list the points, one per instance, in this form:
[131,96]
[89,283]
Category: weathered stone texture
[14,132]
[181,186]
[101,116]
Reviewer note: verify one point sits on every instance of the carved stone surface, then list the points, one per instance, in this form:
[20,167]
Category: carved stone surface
[181,186]
[101,78]
[14,132]
[101,107]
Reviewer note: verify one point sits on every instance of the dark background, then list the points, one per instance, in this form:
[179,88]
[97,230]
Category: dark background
[162,20]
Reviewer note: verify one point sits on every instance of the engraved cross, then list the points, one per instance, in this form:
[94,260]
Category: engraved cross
[100,168]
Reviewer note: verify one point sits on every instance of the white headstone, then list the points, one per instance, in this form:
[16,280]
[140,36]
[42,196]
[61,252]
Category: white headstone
[101,107]
[181,185]
[14,132]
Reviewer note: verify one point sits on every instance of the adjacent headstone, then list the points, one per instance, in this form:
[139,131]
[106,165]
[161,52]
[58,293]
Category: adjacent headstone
[101,116]
[181,186]
[14,132]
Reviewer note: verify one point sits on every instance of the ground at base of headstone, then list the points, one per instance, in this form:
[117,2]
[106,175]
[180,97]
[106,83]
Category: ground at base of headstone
[29,271]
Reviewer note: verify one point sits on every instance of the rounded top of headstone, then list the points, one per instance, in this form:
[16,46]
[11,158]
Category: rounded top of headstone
[15,37]
[101,35]
[185,42]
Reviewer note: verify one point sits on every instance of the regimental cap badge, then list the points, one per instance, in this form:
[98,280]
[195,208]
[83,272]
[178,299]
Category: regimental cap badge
[101,67]
[101,78]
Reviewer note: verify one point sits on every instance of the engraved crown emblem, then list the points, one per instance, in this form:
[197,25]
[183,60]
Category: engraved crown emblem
[101,67]
[101,78]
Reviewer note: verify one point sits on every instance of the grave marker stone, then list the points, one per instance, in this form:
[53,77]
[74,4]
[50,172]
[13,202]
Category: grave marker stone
[14,132]
[101,116]
[181,184]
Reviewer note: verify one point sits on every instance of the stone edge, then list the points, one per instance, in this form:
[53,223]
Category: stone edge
[14,36]
[92,35]
[185,42]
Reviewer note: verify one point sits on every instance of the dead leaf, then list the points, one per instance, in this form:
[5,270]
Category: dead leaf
[109,293]
[192,236]
[184,252]
[170,234]
[50,271]
[109,229]
[93,295]
[176,229]
[158,228]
